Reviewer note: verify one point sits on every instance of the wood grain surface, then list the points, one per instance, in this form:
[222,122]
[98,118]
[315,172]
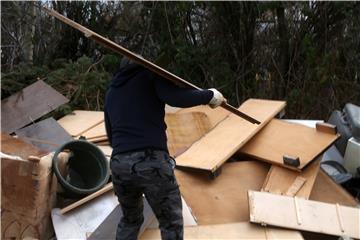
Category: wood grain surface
[217,146]
[281,138]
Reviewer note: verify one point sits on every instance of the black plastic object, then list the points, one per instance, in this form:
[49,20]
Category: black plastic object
[87,169]
[352,113]
[338,119]
[336,171]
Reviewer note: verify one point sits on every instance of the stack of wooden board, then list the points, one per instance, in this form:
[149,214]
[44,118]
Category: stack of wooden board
[275,157]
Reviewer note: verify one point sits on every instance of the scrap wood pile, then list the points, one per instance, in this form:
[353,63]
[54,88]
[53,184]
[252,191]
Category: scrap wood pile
[238,180]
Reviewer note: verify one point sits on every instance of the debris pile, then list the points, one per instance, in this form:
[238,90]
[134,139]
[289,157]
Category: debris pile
[238,180]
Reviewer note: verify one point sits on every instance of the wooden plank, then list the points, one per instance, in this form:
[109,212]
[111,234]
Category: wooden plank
[211,151]
[183,129]
[327,190]
[225,199]
[28,105]
[140,60]
[301,214]
[86,199]
[80,121]
[94,132]
[215,115]
[77,223]
[280,180]
[281,138]
[238,230]
[47,130]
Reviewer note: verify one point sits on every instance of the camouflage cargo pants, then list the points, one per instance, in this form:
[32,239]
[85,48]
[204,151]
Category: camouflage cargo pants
[148,172]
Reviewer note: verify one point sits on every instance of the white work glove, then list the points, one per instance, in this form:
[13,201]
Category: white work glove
[217,99]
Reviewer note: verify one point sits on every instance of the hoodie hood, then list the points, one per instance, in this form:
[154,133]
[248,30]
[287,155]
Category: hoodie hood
[124,74]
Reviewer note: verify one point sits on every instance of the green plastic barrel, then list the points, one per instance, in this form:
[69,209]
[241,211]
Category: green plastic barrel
[87,169]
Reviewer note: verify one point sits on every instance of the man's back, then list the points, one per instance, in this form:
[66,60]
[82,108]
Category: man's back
[134,111]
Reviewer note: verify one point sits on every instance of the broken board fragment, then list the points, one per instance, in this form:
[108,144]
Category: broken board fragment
[238,230]
[281,138]
[218,145]
[301,214]
[183,129]
[46,134]
[225,199]
[284,181]
[28,105]
[79,121]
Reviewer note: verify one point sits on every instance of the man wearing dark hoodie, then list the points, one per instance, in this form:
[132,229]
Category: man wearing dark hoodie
[140,162]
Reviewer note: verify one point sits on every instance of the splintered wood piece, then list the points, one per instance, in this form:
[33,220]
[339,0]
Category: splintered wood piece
[288,182]
[183,129]
[46,134]
[326,127]
[309,215]
[28,105]
[80,121]
[223,200]
[295,186]
[218,145]
[280,137]
[238,230]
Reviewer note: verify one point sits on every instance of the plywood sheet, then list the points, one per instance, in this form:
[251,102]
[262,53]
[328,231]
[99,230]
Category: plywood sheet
[215,115]
[183,129]
[327,190]
[239,230]
[280,180]
[80,121]
[28,105]
[281,138]
[46,134]
[223,200]
[211,151]
[301,214]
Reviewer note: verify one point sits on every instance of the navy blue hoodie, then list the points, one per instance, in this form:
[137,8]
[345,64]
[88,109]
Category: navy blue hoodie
[135,108]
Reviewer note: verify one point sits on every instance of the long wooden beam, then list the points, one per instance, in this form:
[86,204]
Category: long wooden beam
[149,65]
